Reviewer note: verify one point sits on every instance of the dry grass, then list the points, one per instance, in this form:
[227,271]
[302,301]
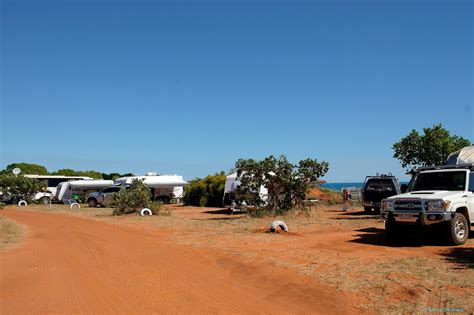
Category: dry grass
[11,233]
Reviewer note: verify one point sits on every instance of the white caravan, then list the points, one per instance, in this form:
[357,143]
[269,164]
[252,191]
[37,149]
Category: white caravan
[51,182]
[231,196]
[166,188]
[463,156]
[65,190]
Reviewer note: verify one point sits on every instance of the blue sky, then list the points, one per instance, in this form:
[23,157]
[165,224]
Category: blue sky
[189,87]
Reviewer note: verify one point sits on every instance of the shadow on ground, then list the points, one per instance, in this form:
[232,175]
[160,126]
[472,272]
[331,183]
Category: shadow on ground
[412,237]
[461,257]
[230,218]
[219,211]
[359,213]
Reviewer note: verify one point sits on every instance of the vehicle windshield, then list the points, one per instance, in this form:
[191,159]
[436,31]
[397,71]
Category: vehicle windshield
[439,181]
[379,184]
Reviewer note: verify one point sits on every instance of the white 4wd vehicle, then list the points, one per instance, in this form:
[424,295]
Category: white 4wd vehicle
[441,196]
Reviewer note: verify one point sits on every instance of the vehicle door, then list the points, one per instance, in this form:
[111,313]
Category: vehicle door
[470,196]
[108,194]
[105,195]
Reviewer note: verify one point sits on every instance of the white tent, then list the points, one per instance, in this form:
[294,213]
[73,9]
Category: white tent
[463,156]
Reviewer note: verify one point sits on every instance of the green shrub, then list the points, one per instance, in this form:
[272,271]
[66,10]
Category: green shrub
[206,192]
[157,208]
[2,205]
[132,199]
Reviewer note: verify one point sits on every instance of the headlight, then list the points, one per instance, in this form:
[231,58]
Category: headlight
[387,205]
[438,205]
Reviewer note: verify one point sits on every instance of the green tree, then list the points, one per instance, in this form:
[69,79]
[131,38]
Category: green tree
[287,184]
[26,168]
[206,192]
[20,187]
[431,148]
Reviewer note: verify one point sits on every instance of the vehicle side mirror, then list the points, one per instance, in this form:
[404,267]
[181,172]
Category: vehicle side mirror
[403,188]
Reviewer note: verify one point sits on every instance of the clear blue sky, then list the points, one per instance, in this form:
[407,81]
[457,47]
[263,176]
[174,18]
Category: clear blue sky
[189,87]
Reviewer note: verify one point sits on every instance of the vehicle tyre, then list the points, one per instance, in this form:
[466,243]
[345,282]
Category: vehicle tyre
[457,231]
[92,203]
[392,231]
[368,209]
[45,200]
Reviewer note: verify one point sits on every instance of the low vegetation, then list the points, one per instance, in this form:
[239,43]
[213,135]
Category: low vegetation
[11,233]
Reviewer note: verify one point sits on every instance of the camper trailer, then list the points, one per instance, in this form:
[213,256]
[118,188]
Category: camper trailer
[166,188]
[81,188]
[233,200]
[51,182]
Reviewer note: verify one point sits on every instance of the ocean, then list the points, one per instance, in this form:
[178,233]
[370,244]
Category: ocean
[339,186]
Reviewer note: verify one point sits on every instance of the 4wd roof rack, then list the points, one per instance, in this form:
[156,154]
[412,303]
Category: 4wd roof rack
[441,167]
[381,175]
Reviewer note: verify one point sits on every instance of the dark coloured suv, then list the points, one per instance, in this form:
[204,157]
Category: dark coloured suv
[376,188]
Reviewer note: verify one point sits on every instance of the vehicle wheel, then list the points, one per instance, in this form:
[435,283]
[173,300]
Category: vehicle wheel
[392,231]
[92,203]
[45,200]
[458,230]
[368,209]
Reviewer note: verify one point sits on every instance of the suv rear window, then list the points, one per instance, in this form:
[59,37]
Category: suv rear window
[379,184]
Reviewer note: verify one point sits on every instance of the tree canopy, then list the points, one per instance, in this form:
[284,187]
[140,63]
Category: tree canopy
[430,148]
[26,168]
[287,183]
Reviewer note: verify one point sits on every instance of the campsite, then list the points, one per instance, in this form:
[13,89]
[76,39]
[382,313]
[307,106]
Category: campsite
[201,260]
[236,157]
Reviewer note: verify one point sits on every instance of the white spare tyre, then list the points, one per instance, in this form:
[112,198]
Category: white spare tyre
[145,212]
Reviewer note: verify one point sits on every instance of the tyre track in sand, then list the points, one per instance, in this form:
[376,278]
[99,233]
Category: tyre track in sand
[74,265]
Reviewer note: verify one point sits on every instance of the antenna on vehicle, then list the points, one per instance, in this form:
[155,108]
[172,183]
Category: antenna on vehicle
[16,171]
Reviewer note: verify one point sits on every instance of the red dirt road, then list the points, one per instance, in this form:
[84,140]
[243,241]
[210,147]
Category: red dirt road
[73,265]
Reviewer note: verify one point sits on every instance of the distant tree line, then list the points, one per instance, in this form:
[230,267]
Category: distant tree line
[30,168]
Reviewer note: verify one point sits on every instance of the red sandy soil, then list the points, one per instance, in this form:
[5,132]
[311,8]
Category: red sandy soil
[75,265]
[201,260]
